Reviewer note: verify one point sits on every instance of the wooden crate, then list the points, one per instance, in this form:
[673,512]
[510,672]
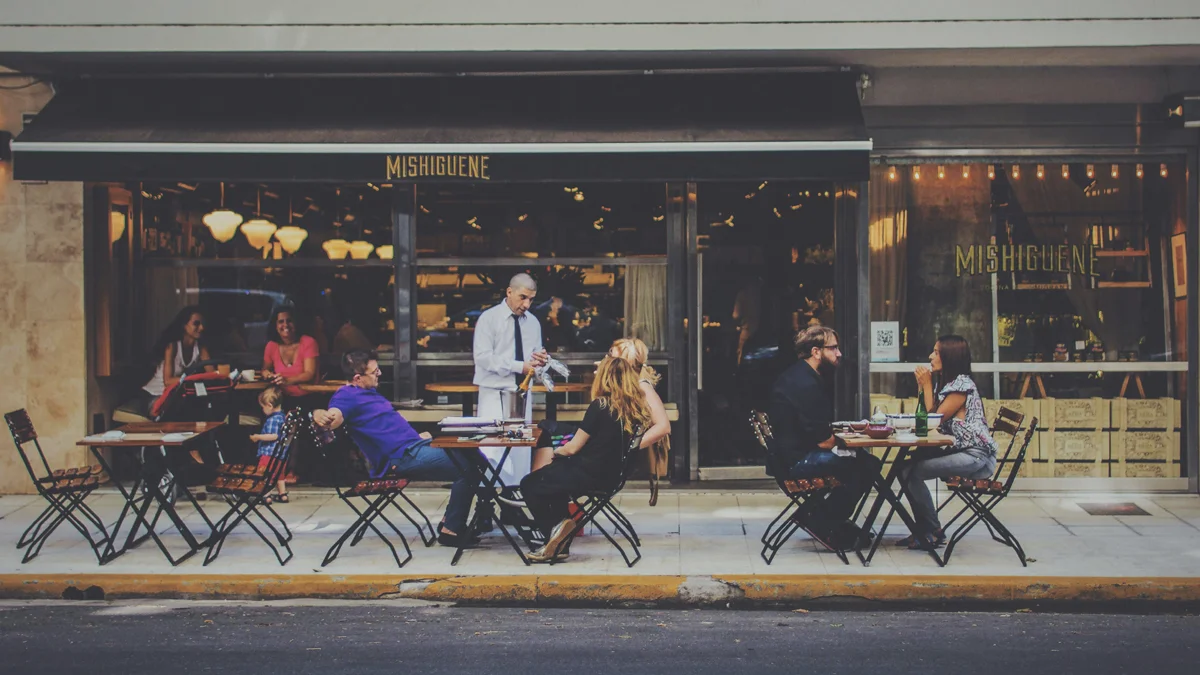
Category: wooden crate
[891,404]
[1145,470]
[1029,407]
[1076,413]
[1079,469]
[1145,446]
[1151,413]
[1074,446]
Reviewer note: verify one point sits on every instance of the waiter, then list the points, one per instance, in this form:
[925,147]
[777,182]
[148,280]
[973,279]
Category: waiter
[508,345]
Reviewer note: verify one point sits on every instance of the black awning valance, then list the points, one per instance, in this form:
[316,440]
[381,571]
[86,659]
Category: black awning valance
[669,127]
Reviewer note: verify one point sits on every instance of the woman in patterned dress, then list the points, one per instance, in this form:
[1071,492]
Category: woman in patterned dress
[973,454]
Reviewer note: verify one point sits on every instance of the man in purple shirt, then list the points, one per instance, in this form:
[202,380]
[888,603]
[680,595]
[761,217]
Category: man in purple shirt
[390,444]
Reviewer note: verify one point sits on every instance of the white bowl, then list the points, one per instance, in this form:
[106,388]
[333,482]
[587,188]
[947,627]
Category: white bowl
[935,420]
[902,422]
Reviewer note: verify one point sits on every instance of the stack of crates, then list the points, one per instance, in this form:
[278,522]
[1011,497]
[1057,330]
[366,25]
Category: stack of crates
[1145,438]
[1075,443]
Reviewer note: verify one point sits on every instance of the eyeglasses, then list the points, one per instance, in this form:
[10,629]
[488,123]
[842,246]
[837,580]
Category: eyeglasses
[377,373]
[830,347]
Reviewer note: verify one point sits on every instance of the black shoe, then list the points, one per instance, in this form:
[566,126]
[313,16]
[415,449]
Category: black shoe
[456,540]
[484,525]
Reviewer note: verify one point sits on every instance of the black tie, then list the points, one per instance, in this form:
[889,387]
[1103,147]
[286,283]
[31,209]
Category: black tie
[520,347]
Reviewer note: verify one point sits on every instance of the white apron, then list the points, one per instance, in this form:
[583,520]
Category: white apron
[517,465]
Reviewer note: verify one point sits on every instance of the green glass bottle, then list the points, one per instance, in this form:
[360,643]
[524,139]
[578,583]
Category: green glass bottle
[922,421]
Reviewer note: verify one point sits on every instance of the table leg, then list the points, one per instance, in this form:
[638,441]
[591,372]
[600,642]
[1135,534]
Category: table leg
[883,491]
[485,478]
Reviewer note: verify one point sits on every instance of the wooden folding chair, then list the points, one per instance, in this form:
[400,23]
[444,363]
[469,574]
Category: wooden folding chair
[65,491]
[781,529]
[596,502]
[246,494]
[374,497]
[980,496]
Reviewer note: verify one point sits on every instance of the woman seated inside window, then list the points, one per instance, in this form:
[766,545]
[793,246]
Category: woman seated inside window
[973,454]
[179,347]
[289,359]
[592,460]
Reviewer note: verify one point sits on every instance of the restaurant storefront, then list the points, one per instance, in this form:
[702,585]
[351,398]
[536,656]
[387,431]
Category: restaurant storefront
[694,211]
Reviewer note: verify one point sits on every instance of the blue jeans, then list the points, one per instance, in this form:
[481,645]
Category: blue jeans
[969,463]
[422,462]
[855,473]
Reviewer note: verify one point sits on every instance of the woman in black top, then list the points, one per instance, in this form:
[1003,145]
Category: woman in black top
[593,459]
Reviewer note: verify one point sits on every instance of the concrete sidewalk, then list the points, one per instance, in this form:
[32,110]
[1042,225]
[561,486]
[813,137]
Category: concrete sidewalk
[699,547]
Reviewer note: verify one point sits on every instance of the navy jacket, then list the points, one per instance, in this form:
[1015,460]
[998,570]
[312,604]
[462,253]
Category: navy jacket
[801,414]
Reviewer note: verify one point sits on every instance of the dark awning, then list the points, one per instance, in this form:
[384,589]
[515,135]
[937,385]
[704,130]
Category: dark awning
[643,127]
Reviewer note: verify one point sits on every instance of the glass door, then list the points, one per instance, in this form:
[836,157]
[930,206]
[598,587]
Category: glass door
[765,268]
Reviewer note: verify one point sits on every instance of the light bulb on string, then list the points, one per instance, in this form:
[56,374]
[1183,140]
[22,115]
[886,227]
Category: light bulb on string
[966,170]
[1116,171]
[891,173]
[1091,170]
[1041,171]
[1016,171]
[941,171]
[916,173]
[1139,171]
[991,168]
[1066,171]
[1162,170]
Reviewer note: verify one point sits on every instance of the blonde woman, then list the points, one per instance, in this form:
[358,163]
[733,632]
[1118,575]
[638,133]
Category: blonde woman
[657,438]
[592,459]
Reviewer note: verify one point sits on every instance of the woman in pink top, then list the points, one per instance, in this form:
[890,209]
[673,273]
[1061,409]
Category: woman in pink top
[290,359]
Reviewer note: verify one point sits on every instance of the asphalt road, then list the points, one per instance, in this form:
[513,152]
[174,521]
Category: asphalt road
[396,637]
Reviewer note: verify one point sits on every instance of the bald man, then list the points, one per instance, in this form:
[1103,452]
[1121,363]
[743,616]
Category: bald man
[508,345]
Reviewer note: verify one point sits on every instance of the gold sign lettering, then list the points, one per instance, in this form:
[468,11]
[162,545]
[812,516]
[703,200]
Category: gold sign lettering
[1058,258]
[438,166]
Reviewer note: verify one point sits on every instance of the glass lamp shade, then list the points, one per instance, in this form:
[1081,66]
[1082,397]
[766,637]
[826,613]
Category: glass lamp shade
[336,249]
[359,250]
[116,226]
[222,223]
[385,252]
[258,232]
[291,237]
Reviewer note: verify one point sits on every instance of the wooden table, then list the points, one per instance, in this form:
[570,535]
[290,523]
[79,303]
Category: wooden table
[883,484]
[150,435]
[485,478]
[471,391]
[326,387]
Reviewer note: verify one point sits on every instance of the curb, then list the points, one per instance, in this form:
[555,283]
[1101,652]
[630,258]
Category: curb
[610,590]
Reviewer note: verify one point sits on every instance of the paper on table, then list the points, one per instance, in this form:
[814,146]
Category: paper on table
[176,437]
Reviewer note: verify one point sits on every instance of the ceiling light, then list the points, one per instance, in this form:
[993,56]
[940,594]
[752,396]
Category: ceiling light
[336,249]
[291,237]
[222,223]
[359,250]
[385,252]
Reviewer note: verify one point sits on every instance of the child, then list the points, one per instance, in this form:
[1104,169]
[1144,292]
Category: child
[268,439]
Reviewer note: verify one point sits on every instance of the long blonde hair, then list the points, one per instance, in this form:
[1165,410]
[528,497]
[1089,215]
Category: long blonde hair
[635,352]
[616,388]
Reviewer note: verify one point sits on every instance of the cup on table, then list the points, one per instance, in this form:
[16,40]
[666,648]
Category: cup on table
[249,375]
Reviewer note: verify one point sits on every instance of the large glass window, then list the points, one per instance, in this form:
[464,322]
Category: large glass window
[1065,280]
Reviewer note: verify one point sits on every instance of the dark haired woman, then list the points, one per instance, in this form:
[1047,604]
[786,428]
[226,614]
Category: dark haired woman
[973,454]
[178,348]
[289,359]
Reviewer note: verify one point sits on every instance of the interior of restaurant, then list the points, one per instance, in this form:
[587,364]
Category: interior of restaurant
[764,260]
[1092,341]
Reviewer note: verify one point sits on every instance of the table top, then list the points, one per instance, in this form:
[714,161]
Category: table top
[468,388]
[139,434]
[933,440]
[326,387]
[452,442]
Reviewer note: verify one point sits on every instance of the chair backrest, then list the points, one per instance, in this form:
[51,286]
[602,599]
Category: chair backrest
[21,428]
[289,437]
[185,403]
[1014,464]
[760,425]
[1007,421]
[328,444]
[629,458]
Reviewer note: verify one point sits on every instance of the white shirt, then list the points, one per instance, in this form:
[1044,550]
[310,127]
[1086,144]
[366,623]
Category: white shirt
[496,365]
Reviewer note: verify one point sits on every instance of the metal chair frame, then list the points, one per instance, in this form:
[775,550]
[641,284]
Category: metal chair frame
[980,497]
[377,496]
[783,526]
[65,492]
[596,502]
[246,496]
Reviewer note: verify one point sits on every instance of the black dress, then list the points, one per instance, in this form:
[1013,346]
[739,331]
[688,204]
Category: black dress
[597,466]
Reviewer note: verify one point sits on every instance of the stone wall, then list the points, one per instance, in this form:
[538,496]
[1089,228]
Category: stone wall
[43,348]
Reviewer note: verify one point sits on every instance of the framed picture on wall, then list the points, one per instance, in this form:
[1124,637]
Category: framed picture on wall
[1179,263]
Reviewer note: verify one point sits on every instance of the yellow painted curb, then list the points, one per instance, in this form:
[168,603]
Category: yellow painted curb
[614,589]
